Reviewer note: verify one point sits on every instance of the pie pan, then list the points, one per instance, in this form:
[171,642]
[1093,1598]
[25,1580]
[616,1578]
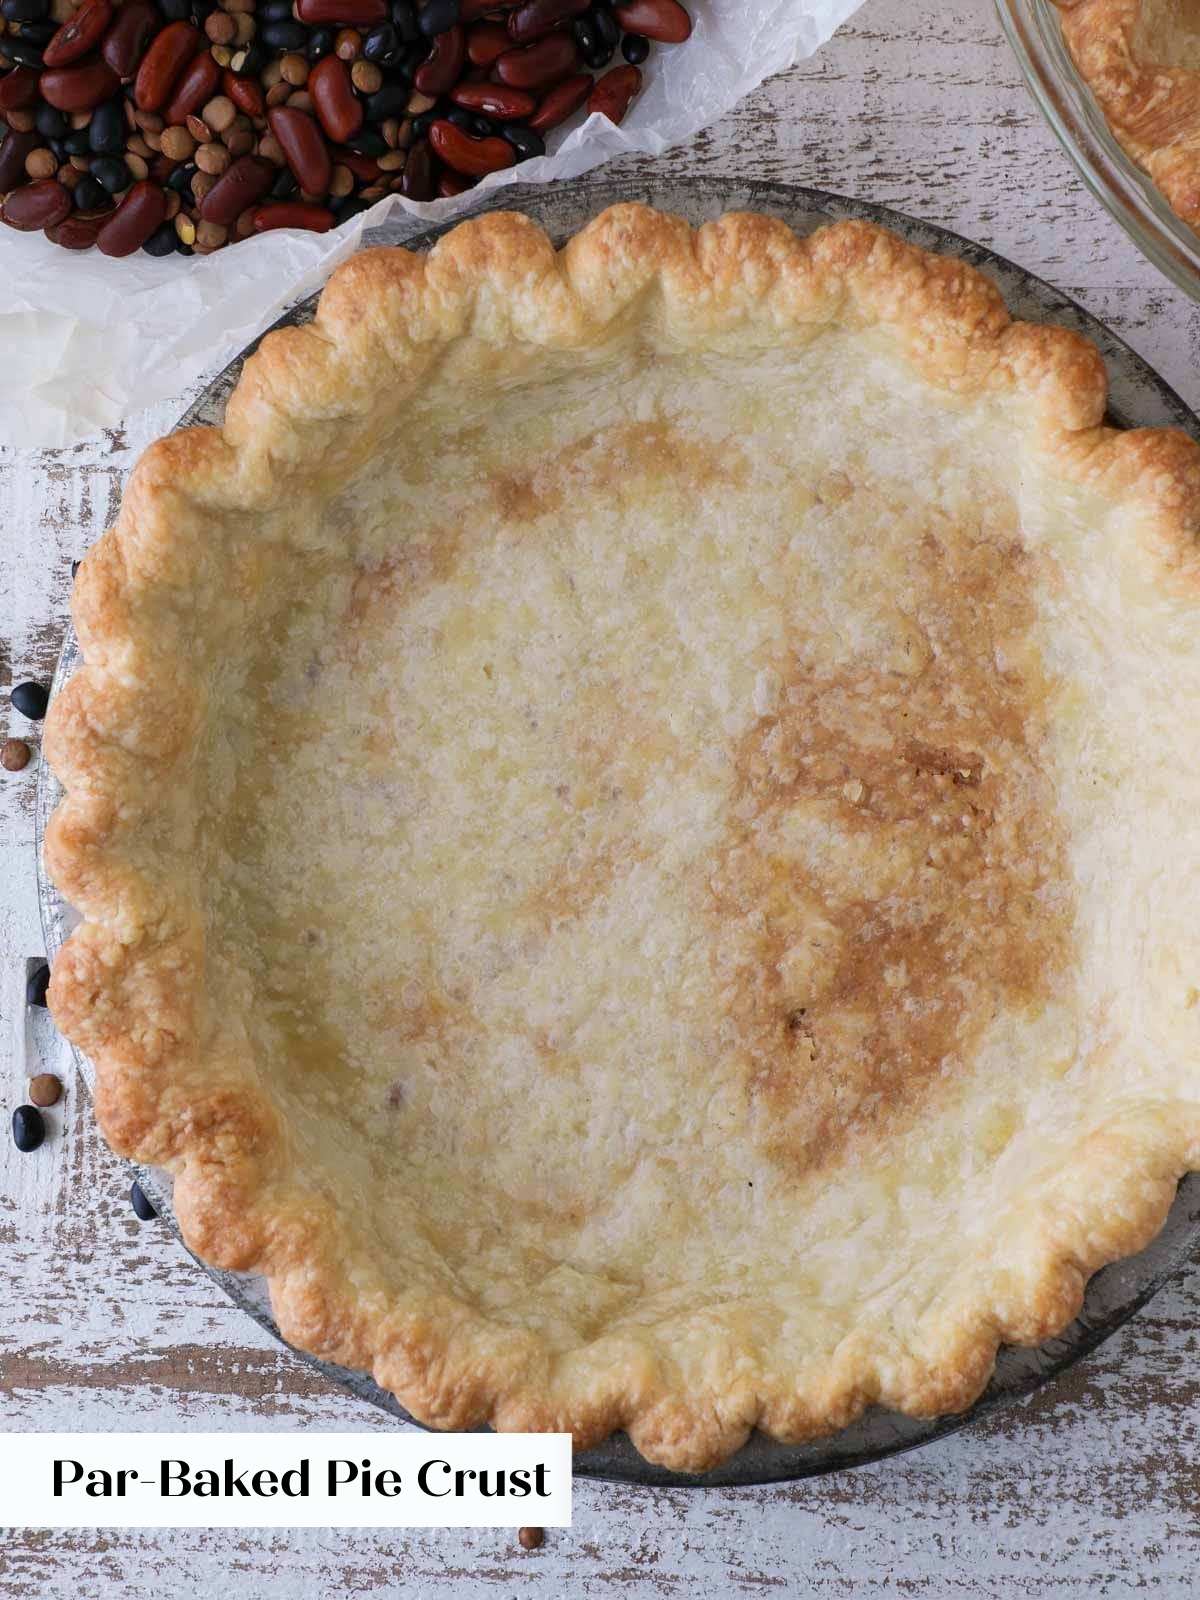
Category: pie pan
[1034,32]
[1116,1291]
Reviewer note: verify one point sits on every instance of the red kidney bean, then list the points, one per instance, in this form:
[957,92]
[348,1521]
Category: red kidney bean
[338,108]
[36,205]
[305,149]
[560,103]
[537,65]
[536,17]
[472,10]
[495,100]
[245,182]
[125,42]
[416,182]
[14,147]
[486,41]
[194,87]
[18,88]
[664,20]
[474,158]
[80,230]
[78,35]
[246,93]
[78,88]
[451,183]
[365,168]
[343,13]
[292,214]
[442,67]
[166,58]
[143,209]
[614,91]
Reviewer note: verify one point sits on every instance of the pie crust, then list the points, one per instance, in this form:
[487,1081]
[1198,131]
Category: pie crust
[1141,60]
[637,815]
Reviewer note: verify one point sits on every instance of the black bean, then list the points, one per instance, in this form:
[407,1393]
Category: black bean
[39,33]
[23,52]
[384,46]
[181,179]
[413,57]
[350,205]
[51,124]
[58,149]
[367,143]
[202,9]
[31,700]
[142,1208]
[107,131]
[162,241]
[285,186]
[461,118]
[78,143]
[284,35]
[404,20]
[112,172]
[274,11]
[320,44]
[74,568]
[635,47]
[423,123]
[24,10]
[438,15]
[29,1128]
[36,985]
[607,26]
[598,57]
[524,140]
[89,195]
[390,101]
[175,10]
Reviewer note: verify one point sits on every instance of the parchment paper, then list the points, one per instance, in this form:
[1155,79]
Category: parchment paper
[87,341]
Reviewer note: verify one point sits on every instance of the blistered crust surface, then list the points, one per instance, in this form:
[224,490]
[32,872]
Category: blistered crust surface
[839,563]
[1141,59]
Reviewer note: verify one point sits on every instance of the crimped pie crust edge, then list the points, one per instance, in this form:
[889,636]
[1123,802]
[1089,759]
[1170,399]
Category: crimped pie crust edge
[124,987]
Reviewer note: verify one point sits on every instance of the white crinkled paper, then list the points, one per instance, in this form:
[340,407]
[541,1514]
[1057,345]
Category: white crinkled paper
[88,341]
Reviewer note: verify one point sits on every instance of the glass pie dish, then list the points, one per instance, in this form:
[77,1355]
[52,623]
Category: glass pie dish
[1034,32]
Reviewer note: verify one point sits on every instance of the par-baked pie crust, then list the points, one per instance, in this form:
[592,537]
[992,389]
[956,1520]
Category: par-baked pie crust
[637,811]
[1141,60]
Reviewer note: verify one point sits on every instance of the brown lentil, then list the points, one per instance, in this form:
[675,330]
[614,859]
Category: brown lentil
[366,77]
[531,1538]
[348,45]
[14,757]
[219,113]
[41,163]
[293,69]
[178,144]
[45,1089]
[220,27]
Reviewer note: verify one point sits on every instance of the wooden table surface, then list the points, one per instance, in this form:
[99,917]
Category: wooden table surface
[1090,1488]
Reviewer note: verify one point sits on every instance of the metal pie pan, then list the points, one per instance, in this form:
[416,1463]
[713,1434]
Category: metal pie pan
[1138,397]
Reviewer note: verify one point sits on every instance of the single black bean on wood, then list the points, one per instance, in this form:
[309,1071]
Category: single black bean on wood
[36,985]
[31,700]
[143,1209]
[29,1128]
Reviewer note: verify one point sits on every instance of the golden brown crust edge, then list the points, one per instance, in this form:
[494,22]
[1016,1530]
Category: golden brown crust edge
[1152,111]
[124,987]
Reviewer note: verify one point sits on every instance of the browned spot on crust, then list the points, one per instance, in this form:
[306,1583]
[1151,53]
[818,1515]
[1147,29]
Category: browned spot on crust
[895,875]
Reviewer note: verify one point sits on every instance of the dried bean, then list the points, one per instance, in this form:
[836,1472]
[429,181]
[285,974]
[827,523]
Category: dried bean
[125,43]
[292,214]
[78,88]
[613,93]
[83,32]
[305,149]
[79,231]
[194,86]
[417,180]
[485,42]
[35,206]
[343,13]
[472,157]
[664,20]
[443,66]
[14,148]
[247,180]
[494,100]
[163,62]
[339,110]
[537,17]
[560,103]
[142,210]
[537,65]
